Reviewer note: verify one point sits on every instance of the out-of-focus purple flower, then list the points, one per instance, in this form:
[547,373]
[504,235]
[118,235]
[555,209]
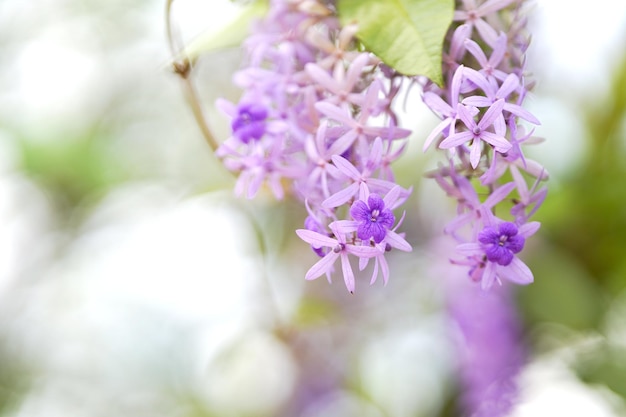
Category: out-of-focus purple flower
[249,124]
[473,15]
[496,263]
[491,350]
[500,243]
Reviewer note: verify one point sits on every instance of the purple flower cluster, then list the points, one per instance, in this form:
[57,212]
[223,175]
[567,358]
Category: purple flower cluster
[316,116]
[484,130]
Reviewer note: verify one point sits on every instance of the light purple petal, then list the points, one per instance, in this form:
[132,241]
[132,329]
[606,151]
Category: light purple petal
[475,153]
[456,140]
[341,144]
[489,276]
[437,104]
[341,197]
[348,274]
[479,80]
[323,266]
[397,241]
[346,167]
[322,77]
[519,111]
[501,144]
[529,229]
[499,49]
[316,239]
[477,101]
[486,31]
[469,249]
[474,49]
[491,114]
[498,195]
[436,132]
[510,83]
[466,116]
[362,251]
[335,113]
[516,272]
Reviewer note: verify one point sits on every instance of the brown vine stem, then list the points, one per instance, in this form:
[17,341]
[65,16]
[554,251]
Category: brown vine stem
[183,67]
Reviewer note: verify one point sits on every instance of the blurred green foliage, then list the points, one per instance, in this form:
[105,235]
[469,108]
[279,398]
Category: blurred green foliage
[580,268]
[74,172]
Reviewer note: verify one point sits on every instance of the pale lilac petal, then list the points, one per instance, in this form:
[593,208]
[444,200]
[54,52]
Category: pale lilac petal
[348,274]
[499,49]
[477,101]
[455,85]
[486,31]
[436,132]
[335,113]
[470,249]
[456,140]
[384,266]
[457,45]
[356,68]
[528,229]
[341,144]
[475,153]
[346,167]
[316,239]
[466,116]
[519,111]
[397,241]
[343,227]
[437,104]
[502,145]
[392,196]
[474,49]
[499,194]
[489,276]
[362,251]
[321,267]
[516,272]
[479,80]
[322,77]
[228,108]
[510,83]
[491,6]
[491,114]
[341,197]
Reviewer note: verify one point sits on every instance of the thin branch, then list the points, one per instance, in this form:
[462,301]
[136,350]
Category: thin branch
[182,66]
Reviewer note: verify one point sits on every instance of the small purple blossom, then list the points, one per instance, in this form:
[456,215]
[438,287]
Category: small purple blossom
[501,243]
[249,124]
[339,248]
[493,258]
[374,219]
[477,132]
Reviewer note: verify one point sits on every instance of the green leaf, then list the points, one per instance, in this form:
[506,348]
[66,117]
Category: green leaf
[405,34]
[228,36]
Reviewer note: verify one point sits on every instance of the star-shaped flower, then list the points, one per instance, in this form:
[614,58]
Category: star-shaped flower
[477,132]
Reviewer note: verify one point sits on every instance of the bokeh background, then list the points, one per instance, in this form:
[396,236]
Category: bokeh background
[133,282]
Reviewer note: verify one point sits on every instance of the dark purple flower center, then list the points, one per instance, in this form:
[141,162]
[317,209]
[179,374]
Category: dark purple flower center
[250,122]
[501,243]
[374,219]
